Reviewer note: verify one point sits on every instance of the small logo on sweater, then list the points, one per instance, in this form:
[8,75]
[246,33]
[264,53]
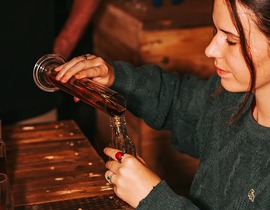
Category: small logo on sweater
[251,195]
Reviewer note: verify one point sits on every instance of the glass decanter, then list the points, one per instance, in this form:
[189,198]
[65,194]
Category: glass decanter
[88,91]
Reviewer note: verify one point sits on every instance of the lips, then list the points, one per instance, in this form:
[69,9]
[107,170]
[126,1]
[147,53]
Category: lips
[221,72]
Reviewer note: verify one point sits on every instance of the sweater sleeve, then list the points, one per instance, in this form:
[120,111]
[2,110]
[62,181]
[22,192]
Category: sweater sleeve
[147,91]
[162,197]
[165,101]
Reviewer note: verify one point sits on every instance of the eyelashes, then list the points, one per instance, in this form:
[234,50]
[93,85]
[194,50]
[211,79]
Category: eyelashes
[214,33]
[230,42]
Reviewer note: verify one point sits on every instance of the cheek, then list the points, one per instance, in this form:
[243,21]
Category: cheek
[240,75]
[263,71]
[261,54]
[239,67]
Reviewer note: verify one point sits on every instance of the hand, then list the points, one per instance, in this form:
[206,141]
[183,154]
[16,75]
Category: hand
[63,46]
[132,180]
[89,66]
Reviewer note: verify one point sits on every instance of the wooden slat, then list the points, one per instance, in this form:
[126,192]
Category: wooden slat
[186,14]
[178,50]
[173,36]
[53,162]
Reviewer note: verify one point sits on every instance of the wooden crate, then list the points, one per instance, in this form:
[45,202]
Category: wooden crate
[172,36]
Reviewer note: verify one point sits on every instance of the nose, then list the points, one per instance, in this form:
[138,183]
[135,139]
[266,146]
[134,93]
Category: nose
[213,50]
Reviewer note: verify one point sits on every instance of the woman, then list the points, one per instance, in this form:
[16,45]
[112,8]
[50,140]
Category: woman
[225,121]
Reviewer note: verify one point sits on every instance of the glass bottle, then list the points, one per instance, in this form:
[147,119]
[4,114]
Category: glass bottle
[3,155]
[119,137]
[95,95]
[6,197]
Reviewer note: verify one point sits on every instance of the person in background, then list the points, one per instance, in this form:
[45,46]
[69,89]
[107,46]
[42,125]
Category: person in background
[66,15]
[28,32]
[224,121]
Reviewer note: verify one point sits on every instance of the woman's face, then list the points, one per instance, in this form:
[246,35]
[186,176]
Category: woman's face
[226,51]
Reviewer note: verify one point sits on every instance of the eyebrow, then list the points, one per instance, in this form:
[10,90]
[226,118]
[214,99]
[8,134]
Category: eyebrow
[230,34]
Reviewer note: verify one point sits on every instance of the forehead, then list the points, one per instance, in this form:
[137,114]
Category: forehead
[222,16]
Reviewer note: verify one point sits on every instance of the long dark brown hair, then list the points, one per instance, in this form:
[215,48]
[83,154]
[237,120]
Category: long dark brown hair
[261,8]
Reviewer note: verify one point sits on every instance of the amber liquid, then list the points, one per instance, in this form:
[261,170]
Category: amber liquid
[91,93]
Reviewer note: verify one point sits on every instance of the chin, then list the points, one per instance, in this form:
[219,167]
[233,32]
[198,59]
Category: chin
[233,87]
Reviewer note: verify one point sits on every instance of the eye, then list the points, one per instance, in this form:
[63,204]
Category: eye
[230,42]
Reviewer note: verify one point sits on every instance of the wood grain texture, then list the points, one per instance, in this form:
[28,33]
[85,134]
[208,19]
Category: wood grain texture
[53,162]
[173,37]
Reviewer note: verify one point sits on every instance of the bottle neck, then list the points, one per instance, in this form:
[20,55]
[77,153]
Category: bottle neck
[120,139]
[118,125]
[118,121]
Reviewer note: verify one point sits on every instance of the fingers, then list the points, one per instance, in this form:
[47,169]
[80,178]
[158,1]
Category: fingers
[116,157]
[110,152]
[84,57]
[112,164]
[70,63]
[82,66]
[74,66]
[109,176]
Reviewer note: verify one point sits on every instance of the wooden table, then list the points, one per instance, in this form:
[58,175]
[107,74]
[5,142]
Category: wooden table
[54,166]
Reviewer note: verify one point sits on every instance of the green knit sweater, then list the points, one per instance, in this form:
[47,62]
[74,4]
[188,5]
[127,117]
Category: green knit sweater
[234,170]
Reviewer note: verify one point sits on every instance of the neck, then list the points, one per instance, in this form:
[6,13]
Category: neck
[261,115]
[261,108]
